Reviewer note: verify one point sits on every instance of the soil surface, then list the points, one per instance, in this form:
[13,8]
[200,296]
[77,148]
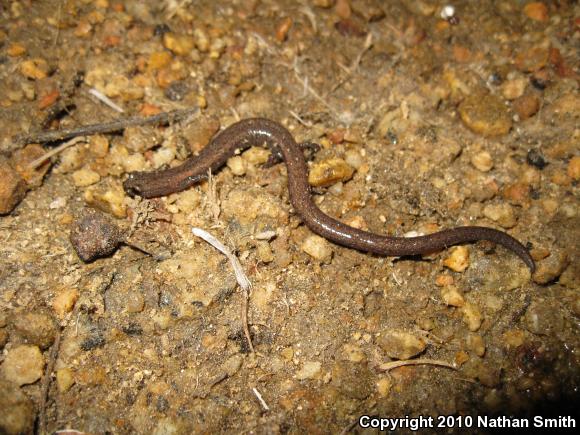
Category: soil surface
[115,318]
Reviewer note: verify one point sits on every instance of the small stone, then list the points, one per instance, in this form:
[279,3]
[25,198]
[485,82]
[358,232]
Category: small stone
[472,317]
[452,296]
[256,155]
[264,252]
[37,328]
[283,29]
[35,69]
[514,88]
[181,45]
[85,177]
[158,60]
[401,344]
[573,170]
[532,60]
[72,158]
[542,318]
[12,187]
[354,353]
[482,161]
[458,259]
[232,365]
[551,268]
[309,370]
[318,248]
[17,414]
[486,115]
[476,344]
[64,301]
[502,213]
[94,235]
[517,193]
[64,379]
[384,386]
[329,172]
[536,11]
[23,365]
[237,165]
[514,338]
[526,106]
[108,199]
[15,50]
[135,302]
[535,158]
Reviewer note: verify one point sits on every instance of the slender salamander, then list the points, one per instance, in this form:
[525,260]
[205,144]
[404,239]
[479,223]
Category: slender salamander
[258,131]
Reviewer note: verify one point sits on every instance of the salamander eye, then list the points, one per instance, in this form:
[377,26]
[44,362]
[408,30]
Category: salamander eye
[130,186]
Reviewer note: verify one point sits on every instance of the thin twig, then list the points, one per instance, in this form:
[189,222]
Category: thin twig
[39,161]
[241,277]
[385,367]
[46,383]
[105,100]
[105,127]
[261,399]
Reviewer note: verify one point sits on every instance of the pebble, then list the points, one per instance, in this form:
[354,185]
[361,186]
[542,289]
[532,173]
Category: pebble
[486,115]
[12,187]
[65,301]
[256,155]
[550,268]
[533,59]
[354,353]
[21,160]
[64,379]
[72,158]
[472,316]
[318,248]
[476,344]
[110,200]
[526,106]
[355,381]
[17,413]
[482,161]
[517,193]
[514,88]
[329,171]
[23,365]
[245,205]
[181,45]
[537,11]
[543,318]
[262,296]
[401,345]
[384,386]
[135,302]
[458,259]
[36,328]
[573,169]
[309,370]
[15,50]
[85,177]
[264,251]
[95,235]
[452,296]
[535,158]
[237,165]
[35,69]
[502,213]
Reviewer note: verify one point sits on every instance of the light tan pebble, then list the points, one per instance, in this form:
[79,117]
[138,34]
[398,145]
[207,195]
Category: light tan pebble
[452,296]
[537,11]
[181,45]
[265,254]
[158,60]
[354,158]
[283,28]
[36,328]
[12,187]
[162,320]
[551,267]
[458,259]
[35,69]
[135,302]
[188,200]
[532,59]
[262,296]
[134,162]
[287,353]
[573,170]
[99,145]
[514,88]
[246,205]
[330,171]
[71,159]
[486,115]
[65,301]
[201,40]
[531,177]
[461,357]
[482,161]
[237,165]
[384,386]
[23,365]
[162,157]
[91,376]
[64,379]
[354,353]
[502,213]
[401,344]
[256,155]
[526,106]
[110,200]
[17,412]
[443,280]
[15,49]
[85,177]
[318,248]
[517,193]
[357,222]
[472,316]
[309,370]
[232,365]
[514,338]
[217,48]
[476,344]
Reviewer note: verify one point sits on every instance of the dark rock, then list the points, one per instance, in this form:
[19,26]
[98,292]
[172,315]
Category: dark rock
[95,235]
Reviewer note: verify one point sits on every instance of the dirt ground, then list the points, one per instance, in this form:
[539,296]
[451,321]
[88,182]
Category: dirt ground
[427,118]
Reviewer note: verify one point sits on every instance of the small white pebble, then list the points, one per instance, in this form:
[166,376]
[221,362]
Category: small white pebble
[57,203]
[265,235]
[447,12]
